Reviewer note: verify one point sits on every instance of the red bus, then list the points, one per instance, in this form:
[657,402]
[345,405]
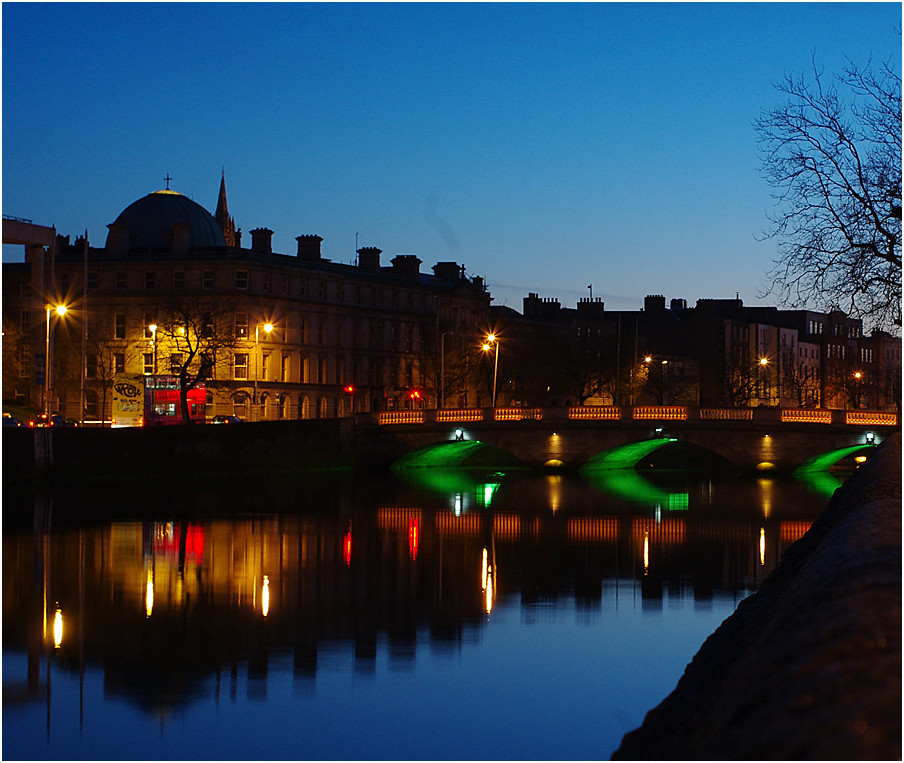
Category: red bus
[161,400]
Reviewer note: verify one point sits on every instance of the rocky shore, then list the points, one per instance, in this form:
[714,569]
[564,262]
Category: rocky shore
[808,667]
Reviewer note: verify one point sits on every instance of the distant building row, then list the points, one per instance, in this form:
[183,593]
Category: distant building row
[297,336]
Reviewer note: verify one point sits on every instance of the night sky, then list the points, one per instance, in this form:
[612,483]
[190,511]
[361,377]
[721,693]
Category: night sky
[548,147]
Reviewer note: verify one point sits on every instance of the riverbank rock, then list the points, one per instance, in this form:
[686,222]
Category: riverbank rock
[808,667]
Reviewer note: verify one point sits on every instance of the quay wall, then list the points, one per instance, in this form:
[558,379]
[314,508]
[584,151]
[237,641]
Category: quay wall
[809,666]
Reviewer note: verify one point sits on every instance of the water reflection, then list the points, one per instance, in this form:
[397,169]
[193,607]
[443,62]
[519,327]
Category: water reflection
[182,604]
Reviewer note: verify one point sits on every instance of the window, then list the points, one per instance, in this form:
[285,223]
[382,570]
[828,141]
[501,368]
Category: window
[241,279]
[175,360]
[91,365]
[92,280]
[265,365]
[207,279]
[178,279]
[866,355]
[119,328]
[149,362]
[120,279]
[240,365]
[119,363]
[241,324]
[150,279]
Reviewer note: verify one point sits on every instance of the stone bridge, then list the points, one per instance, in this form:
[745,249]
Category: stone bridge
[568,438]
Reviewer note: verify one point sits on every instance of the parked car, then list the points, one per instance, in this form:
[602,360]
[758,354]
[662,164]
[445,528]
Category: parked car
[226,420]
[52,420]
[11,421]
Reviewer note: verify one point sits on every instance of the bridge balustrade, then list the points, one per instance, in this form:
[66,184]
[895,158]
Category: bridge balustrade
[660,413]
[765,415]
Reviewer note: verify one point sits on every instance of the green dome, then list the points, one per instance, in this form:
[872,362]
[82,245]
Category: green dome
[150,222]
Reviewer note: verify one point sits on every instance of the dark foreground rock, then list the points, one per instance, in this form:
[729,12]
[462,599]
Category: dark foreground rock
[809,667]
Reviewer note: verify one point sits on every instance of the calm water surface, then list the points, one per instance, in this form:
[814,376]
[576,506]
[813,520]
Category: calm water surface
[452,617]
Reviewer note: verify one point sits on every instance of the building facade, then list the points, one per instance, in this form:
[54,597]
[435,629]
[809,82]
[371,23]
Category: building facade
[275,336]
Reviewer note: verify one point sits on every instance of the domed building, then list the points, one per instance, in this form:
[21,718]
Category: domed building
[274,336]
[163,220]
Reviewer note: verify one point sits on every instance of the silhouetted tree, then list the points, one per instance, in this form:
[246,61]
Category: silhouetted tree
[832,153]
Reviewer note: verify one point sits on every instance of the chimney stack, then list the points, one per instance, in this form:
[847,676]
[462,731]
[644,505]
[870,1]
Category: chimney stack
[309,247]
[407,265]
[369,258]
[261,240]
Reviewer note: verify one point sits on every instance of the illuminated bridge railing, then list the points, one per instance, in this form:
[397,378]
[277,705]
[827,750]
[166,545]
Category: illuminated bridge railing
[806,416]
[518,414]
[595,413]
[726,414]
[402,417]
[614,413]
[660,413]
[871,418]
[459,415]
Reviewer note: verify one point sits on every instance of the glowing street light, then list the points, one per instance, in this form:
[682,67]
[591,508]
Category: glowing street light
[493,340]
[153,328]
[259,360]
[60,310]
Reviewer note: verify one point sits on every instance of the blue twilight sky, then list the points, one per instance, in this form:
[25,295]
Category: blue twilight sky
[547,147]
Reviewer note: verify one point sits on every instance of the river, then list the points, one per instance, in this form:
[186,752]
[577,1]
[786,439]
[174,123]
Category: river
[350,617]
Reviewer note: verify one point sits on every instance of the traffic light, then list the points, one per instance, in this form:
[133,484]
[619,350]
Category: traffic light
[415,394]
[349,389]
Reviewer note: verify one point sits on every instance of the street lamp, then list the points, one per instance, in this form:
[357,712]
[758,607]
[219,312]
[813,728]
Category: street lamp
[60,310]
[258,360]
[492,340]
[858,376]
[153,328]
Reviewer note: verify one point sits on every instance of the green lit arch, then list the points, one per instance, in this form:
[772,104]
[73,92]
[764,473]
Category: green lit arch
[625,456]
[815,473]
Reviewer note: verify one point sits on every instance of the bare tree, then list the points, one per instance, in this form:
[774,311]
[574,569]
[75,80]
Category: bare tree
[832,154]
[195,334]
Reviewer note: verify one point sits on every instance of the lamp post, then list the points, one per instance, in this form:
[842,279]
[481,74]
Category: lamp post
[60,310]
[764,362]
[442,373]
[492,339]
[153,328]
[858,377]
[258,360]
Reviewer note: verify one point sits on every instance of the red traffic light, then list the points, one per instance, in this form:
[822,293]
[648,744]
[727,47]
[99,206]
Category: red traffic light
[415,394]
[349,389]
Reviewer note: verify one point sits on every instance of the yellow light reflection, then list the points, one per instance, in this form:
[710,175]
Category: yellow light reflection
[149,594]
[646,552]
[489,595]
[766,487]
[554,484]
[265,597]
[57,628]
[762,546]
[483,571]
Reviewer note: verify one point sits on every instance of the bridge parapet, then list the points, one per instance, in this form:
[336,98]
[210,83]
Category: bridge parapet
[662,413]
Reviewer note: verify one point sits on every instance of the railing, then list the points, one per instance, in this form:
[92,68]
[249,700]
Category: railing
[726,414]
[651,413]
[595,413]
[871,418]
[660,413]
[806,416]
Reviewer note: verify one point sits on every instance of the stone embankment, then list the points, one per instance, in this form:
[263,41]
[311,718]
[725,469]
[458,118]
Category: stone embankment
[808,667]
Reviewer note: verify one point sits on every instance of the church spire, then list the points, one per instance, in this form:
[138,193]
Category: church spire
[223,218]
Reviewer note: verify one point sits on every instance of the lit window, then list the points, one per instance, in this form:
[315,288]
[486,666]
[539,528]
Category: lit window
[240,365]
